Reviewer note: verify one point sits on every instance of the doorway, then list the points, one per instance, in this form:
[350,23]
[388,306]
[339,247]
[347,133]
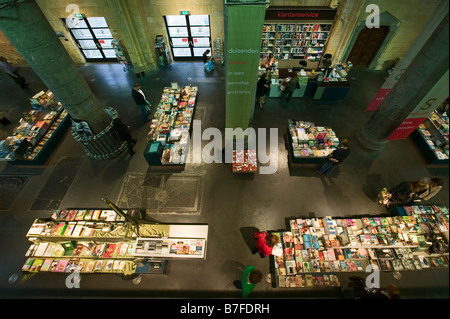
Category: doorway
[93,38]
[366,45]
[189,35]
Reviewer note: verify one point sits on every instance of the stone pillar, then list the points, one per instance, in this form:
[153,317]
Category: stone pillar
[427,68]
[27,28]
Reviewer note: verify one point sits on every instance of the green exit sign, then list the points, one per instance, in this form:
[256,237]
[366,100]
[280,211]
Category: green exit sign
[79,15]
[186,13]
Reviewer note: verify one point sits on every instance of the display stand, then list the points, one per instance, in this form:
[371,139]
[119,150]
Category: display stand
[122,55]
[315,250]
[94,241]
[171,127]
[161,52]
[38,134]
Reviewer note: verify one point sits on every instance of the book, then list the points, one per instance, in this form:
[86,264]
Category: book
[46,265]
[27,265]
[109,251]
[99,265]
[61,266]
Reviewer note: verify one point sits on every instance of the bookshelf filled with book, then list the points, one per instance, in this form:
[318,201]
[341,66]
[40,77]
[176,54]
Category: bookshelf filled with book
[318,249]
[304,41]
[102,241]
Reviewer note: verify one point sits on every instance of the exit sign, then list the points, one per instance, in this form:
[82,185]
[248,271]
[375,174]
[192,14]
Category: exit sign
[186,13]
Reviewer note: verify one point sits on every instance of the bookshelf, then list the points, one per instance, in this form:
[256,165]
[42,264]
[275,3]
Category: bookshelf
[305,41]
[314,250]
[102,241]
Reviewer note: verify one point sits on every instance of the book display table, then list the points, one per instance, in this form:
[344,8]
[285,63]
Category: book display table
[245,161]
[308,143]
[102,241]
[34,140]
[315,250]
[431,138]
[171,126]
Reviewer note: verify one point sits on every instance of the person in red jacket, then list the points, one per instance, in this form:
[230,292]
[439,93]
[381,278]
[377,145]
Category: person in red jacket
[265,242]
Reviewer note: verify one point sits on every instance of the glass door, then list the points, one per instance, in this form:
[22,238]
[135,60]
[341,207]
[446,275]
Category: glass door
[189,35]
[94,39]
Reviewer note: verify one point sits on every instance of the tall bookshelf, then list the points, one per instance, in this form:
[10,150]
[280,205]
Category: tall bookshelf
[287,41]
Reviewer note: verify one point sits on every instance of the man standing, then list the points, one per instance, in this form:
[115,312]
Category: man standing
[141,101]
[335,158]
[11,71]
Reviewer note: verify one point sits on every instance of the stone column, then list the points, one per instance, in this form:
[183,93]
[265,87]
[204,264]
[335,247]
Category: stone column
[27,28]
[427,68]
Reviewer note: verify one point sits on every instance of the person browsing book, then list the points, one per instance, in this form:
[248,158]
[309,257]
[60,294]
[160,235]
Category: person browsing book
[265,243]
[335,158]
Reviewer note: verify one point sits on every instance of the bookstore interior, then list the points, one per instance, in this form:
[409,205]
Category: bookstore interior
[312,253]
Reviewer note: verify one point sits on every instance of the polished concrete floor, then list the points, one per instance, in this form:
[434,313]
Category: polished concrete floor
[232,205]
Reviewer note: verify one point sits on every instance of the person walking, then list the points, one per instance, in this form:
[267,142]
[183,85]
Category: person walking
[291,85]
[124,134]
[265,243]
[335,158]
[263,86]
[250,278]
[12,72]
[141,101]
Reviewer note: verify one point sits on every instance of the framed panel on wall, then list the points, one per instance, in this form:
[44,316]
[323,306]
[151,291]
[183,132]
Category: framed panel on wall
[93,38]
[189,35]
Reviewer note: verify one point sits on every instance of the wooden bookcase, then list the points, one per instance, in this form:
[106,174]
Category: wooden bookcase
[304,41]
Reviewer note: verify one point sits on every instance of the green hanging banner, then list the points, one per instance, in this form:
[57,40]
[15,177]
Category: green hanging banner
[243,30]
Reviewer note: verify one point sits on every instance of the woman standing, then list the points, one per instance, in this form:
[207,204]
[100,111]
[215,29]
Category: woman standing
[263,86]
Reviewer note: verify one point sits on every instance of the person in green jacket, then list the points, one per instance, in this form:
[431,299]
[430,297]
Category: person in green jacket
[250,278]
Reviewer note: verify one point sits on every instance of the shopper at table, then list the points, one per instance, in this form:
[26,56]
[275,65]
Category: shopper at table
[141,101]
[290,87]
[406,192]
[265,243]
[263,86]
[270,62]
[335,158]
[124,134]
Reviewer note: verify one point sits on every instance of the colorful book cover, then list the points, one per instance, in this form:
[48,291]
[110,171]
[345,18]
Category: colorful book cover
[99,265]
[27,265]
[109,252]
[61,266]
[46,265]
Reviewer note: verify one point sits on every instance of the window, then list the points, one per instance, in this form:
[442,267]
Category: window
[189,35]
[93,37]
